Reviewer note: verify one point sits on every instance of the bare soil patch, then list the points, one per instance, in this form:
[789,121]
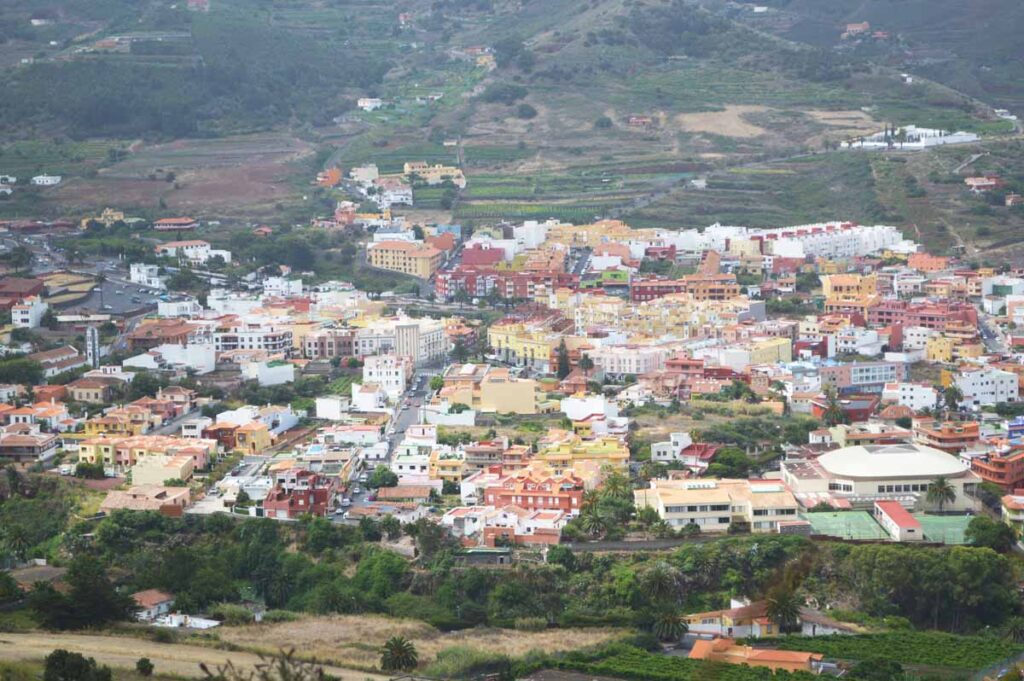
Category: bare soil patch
[118,651]
[354,641]
[728,122]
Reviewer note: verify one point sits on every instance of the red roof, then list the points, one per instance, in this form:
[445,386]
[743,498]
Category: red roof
[151,598]
[898,514]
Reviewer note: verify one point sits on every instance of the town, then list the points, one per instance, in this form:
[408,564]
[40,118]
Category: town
[548,387]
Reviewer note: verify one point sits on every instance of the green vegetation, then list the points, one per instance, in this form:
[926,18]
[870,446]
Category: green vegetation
[910,647]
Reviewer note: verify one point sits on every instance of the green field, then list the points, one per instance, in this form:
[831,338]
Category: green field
[845,525]
[54,157]
[948,529]
[930,648]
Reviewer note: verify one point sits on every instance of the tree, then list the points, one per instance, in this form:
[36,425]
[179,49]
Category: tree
[952,396]
[669,625]
[985,532]
[391,527]
[459,353]
[21,370]
[382,476]
[1015,629]
[563,360]
[144,666]
[398,655]
[784,609]
[833,414]
[436,383]
[593,522]
[92,600]
[144,384]
[586,364]
[525,111]
[662,582]
[603,123]
[940,492]
[63,665]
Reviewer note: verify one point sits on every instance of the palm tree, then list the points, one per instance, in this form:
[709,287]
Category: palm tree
[398,655]
[940,492]
[593,522]
[100,279]
[617,486]
[590,499]
[586,364]
[1015,629]
[833,413]
[669,626]
[784,610]
[662,582]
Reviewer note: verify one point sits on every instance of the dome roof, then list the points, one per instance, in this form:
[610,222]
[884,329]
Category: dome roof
[891,461]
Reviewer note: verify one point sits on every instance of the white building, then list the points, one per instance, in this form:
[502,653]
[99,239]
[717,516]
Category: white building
[194,427]
[369,103]
[282,287]
[269,373]
[622,360]
[855,340]
[986,387]
[910,138]
[578,408]
[200,358]
[861,475]
[369,397]
[178,308]
[917,337]
[28,314]
[671,450]
[917,396]
[364,174]
[421,339]
[332,407]
[254,335]
[391,372]
[713,505]
[46,180]
[144,274]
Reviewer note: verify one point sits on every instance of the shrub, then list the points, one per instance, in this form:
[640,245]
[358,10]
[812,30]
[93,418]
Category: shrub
[526,112]
[530,624]
[603,123]
[231,613]
[462,662]
[275,616]
[144,666]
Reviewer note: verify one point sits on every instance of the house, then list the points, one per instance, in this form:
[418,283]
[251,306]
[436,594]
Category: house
[727,650]
[152,603]
[92,390]
[640,121]
[369,103]
[22,444]
[146,275]
[176,224]
[46,180]
[253,438]
[743,619]
[169,501]
[715,505]
[982,184]
[414,493]
[28,314]
[59,360]
[298,492]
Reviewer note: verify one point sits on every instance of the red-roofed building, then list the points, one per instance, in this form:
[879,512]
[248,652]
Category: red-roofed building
[897,521]
[175,224]
[299,492]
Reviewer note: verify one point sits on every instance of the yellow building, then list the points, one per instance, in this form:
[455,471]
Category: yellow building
[156,470]
[771,350]
[598,233]
[501,392]
[126,422]
[940,349]
[449,466]
[436,174]
[125,452]
[522,344]
[604,451]
[253,438]
[405,257]
[849,292]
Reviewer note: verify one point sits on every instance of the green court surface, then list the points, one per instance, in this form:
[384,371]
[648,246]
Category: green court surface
[845,525]
[948,529]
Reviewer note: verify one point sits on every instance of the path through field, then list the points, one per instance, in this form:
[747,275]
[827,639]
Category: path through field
[119,651]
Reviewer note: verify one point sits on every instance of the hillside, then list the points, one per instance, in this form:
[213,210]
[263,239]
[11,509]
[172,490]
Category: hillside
[600,108]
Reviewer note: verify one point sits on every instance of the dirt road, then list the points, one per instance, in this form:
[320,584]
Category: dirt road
[118,651]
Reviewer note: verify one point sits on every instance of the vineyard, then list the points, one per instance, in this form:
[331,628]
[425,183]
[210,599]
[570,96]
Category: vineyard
[910,647]
[632,663]
[574,213]
[58,157]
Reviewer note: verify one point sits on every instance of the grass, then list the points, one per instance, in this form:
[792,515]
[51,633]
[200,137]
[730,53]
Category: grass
[353,641]
[55,157]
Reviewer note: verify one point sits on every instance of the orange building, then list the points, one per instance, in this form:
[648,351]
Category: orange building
[952,437]
[925,262]
[727,650]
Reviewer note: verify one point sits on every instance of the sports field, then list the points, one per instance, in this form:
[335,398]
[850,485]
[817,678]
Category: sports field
[846,525]
[948,529]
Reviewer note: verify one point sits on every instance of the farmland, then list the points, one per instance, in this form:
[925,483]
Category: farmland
[911,647]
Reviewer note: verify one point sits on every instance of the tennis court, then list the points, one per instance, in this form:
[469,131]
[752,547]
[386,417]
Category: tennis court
[845,525]
[948,529]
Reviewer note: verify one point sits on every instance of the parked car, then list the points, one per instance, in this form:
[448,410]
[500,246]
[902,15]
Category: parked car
[345,502]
